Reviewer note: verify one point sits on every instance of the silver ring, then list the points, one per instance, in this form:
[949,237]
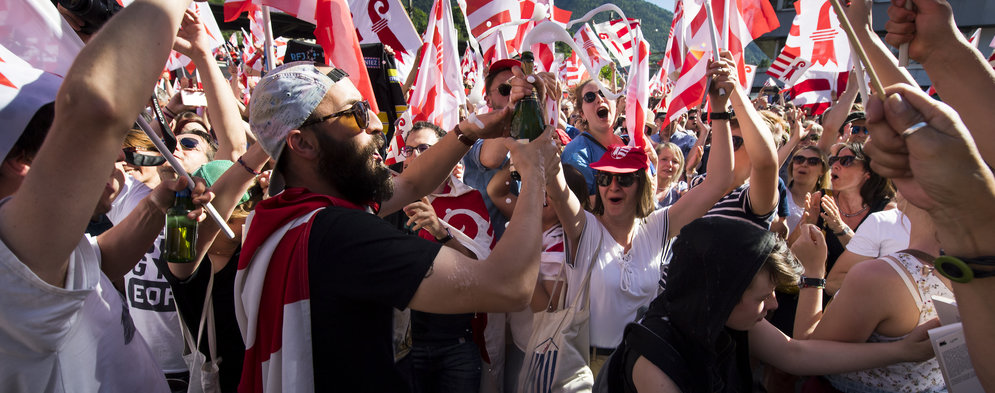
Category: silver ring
[530,79]
[912,130]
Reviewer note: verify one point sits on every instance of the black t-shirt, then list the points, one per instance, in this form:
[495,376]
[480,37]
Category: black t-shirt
[360,269]
[189,297]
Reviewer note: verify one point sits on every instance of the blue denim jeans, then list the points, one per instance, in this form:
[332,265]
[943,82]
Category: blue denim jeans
[452,366]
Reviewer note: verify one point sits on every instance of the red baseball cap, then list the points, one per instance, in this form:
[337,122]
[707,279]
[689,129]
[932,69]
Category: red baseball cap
[621,159]
[503,64]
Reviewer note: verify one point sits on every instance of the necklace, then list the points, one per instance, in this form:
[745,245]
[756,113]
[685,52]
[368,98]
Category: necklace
[859,212]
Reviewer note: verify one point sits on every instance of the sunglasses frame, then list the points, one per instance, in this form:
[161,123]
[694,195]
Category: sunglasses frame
[133,157]
[591,96]
[407,151]
[845,161]
[812,161]
[631,177]
[355,110]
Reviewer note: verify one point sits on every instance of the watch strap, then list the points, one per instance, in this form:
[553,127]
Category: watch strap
[811,282]
[719,115]
[444,239]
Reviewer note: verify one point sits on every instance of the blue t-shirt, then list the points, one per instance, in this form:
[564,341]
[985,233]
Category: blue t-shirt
[476,175]
[683,140]
[580,153]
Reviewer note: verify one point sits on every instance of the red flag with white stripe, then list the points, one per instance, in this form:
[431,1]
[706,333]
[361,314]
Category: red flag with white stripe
[637,90]
[434,97]
[572,71]
[689,87]
[334,31]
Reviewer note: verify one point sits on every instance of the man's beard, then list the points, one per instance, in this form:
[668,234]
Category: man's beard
[353,172]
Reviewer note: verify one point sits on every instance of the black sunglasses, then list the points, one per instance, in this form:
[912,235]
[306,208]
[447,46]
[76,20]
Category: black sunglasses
[737,142]
[360,111]
[407,151]
[132,157]
[812,161]
[504,89]
[591,96]
[189,143]
[845,161]
[859,130]
[604,179]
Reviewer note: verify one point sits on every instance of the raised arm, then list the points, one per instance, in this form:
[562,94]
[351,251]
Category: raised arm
[834,117]
[95,107]
[505,281]
[759,145]
[568,208]
[697,201]
[223,111]
[960,74]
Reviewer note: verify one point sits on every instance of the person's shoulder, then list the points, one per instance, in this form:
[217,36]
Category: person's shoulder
[874,275]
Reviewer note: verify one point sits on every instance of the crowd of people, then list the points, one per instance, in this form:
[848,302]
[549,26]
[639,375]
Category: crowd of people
[753,247]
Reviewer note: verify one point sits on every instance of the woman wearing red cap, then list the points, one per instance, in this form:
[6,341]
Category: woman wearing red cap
[626,269]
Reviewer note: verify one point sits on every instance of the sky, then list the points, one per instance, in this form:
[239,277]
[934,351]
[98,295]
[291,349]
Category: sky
[665,4]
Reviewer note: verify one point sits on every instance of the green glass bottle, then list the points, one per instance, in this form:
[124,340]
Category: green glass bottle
[181,232]
[528,121]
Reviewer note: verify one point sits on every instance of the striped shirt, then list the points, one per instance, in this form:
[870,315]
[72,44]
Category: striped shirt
[736,205]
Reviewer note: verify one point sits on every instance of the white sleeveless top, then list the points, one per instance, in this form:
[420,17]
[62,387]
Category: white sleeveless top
[910,377]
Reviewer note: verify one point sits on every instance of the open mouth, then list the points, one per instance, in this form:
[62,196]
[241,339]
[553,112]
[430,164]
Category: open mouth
[834,177]
[615,200]
[603,113]
[377,158]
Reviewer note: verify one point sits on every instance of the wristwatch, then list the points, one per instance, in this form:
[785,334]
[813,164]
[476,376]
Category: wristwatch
[719,115]
[809,282]
[846,231]
[444,239]
[959,269]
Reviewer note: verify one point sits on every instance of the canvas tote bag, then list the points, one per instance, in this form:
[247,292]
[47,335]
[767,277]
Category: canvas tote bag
[557,358]
[203,373]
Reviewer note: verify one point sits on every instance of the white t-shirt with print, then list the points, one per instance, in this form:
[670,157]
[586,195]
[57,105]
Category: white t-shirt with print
[621,282]
[79,338]
[149,295]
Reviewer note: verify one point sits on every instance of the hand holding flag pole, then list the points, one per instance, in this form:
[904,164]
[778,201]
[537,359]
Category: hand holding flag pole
[178,167]
[855,44]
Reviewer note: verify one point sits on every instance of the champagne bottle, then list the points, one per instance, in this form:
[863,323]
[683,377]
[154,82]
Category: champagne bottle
[527,123]
[181,231]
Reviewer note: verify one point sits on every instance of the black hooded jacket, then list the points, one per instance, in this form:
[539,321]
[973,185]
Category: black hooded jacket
[684,332]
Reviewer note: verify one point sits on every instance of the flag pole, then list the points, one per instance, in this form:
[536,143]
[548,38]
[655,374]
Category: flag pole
[178,167]
[268,41]
[715,39]
[903,50]
[855,44]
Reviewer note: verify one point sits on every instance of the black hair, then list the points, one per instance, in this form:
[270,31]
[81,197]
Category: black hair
[28,144]
[439,132]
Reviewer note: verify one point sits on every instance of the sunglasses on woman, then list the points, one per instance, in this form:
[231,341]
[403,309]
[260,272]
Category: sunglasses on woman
[591,96]
[409,150]
[604,179]
[845,161]
[859,130]
[360,111]
[812,161]
[133,157]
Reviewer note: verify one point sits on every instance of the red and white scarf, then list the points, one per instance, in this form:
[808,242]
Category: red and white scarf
[272,292]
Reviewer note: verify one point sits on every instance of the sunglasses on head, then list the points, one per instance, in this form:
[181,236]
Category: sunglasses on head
[845,161]
[409,150]
[812,161]
[360,111]
[591,96]
[504,89]
[189,143]
[604,179]
[737,142]
[859,130]
[133,157]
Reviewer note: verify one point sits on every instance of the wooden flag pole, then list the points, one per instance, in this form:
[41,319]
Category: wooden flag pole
[855,44]
[903,50]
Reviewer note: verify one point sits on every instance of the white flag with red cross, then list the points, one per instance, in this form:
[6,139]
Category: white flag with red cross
[616,35]
[436,98]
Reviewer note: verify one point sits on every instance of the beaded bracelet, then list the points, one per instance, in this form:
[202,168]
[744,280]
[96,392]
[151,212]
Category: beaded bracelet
[247,168]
